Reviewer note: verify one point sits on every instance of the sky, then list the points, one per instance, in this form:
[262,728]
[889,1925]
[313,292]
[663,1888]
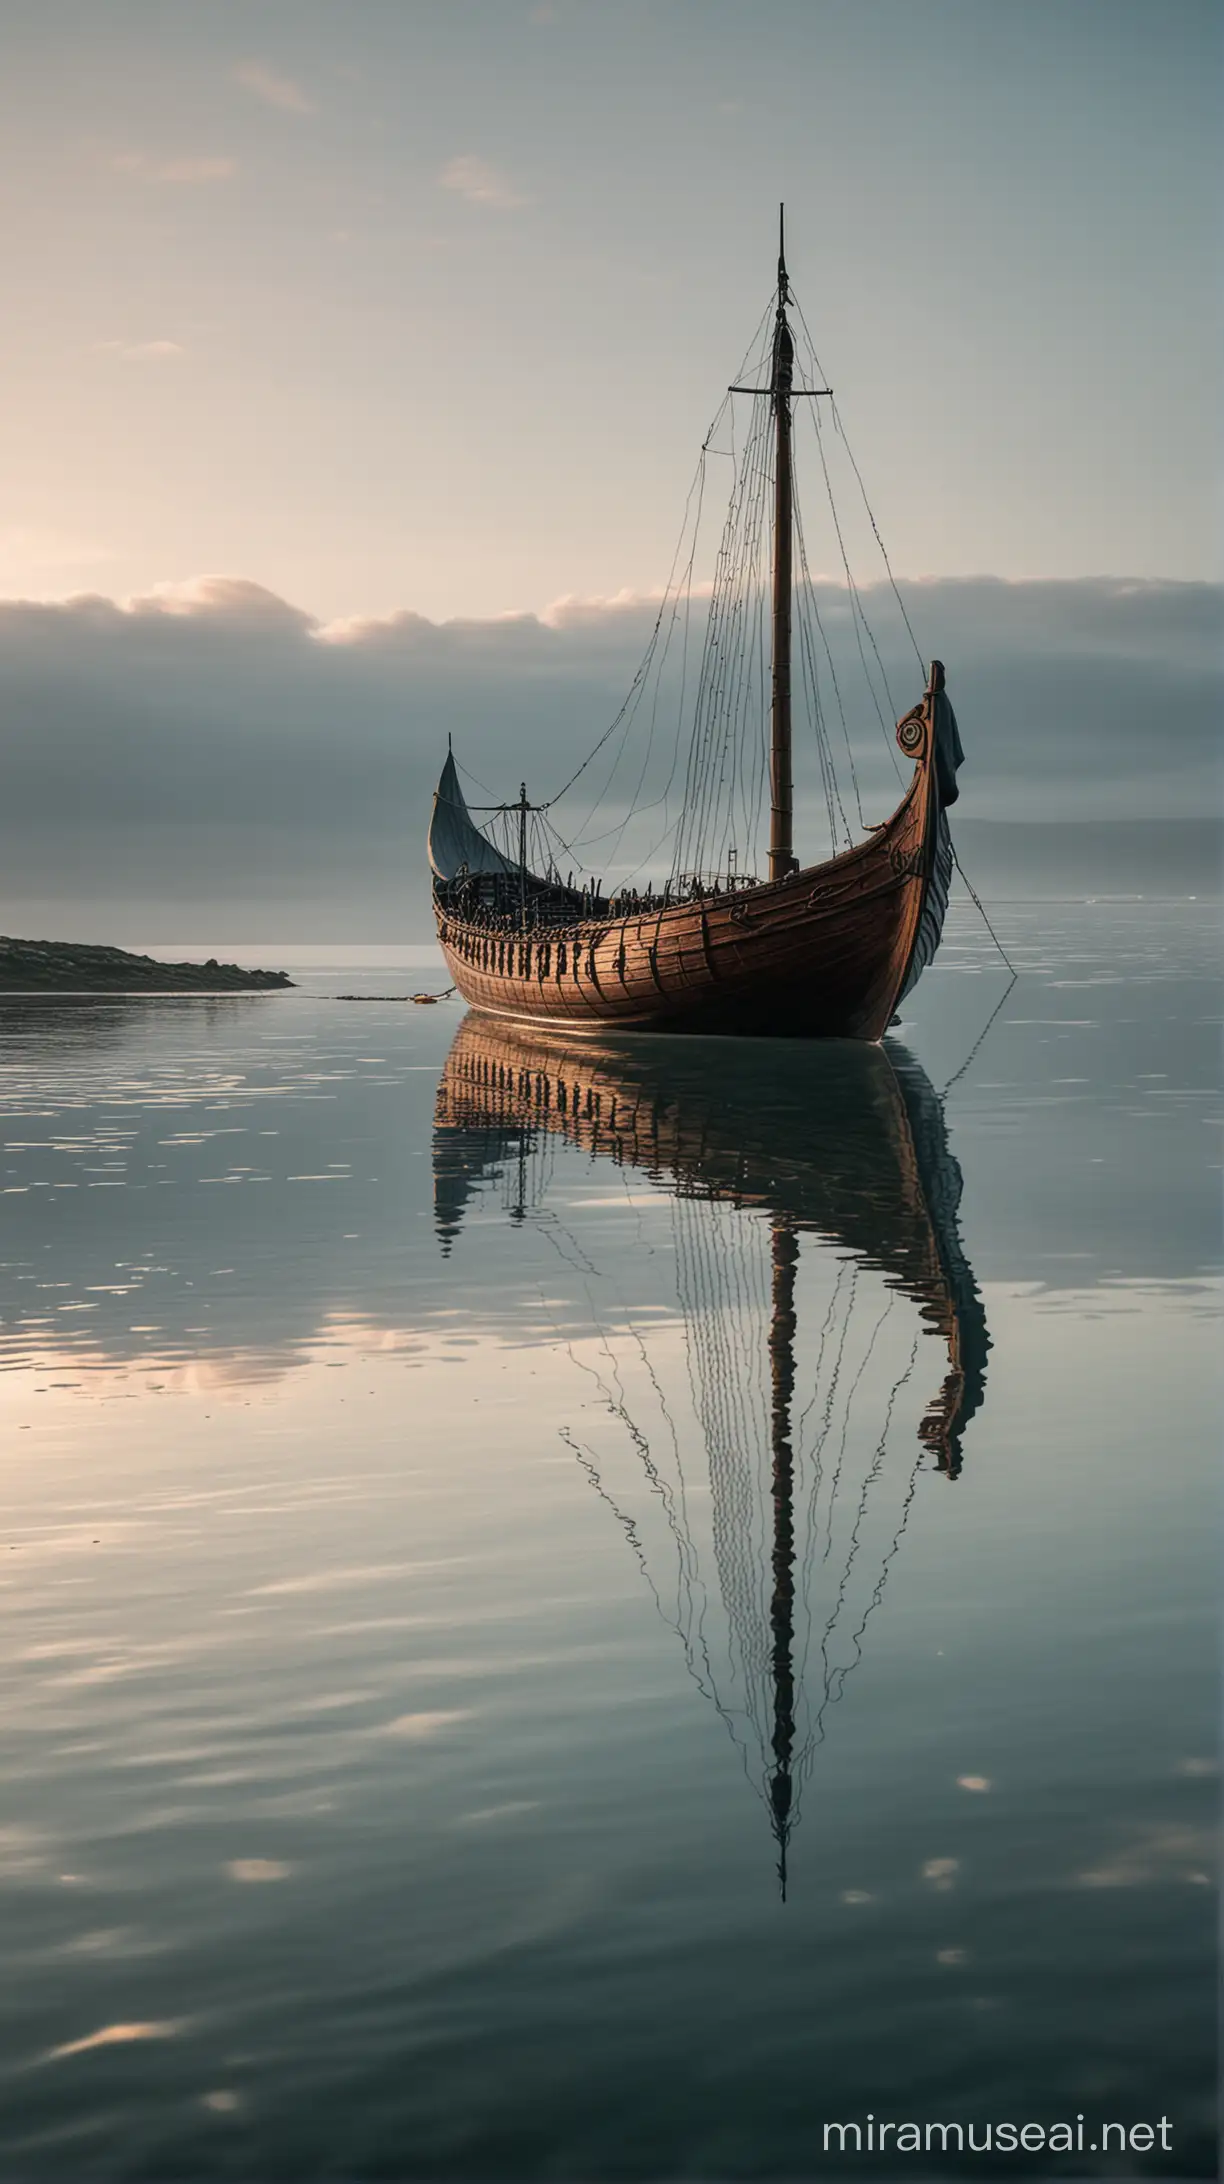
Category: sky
[428,302]
[421,308]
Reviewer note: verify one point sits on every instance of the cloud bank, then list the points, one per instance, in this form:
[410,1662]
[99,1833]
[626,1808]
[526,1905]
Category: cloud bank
[210,758]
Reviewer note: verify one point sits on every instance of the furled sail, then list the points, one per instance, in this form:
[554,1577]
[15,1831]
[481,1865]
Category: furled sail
[949,757]
[456,844]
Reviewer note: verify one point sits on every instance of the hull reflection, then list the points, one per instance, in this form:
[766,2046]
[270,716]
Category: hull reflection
[779,1166]
[849,1143]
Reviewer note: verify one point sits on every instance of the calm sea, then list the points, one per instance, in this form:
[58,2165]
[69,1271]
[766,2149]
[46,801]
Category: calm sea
[588,1614]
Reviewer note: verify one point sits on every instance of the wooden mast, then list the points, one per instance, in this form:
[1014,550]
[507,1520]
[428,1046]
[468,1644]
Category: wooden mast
[781,854]
[785,1258]
[523,808]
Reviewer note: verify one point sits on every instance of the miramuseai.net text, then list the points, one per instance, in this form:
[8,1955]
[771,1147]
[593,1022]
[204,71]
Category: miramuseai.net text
[873,2136]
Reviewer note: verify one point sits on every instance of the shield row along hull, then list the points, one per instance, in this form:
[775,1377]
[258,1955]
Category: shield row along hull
[823,953]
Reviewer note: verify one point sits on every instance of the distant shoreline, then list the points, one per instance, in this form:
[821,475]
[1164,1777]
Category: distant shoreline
[72,967]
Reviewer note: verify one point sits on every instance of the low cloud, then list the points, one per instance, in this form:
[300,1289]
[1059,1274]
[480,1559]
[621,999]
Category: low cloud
[206,168]
[210,756]
[230,601]
[142,352]
[480,184]
[274,90]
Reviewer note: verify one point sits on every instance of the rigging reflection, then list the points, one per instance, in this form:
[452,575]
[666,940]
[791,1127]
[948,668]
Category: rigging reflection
[834,1152]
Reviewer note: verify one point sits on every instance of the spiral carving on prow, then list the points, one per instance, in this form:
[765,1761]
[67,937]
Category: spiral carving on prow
[911,733]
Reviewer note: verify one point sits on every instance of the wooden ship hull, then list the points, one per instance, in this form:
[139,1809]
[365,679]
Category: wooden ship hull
[819,951]
[823,953]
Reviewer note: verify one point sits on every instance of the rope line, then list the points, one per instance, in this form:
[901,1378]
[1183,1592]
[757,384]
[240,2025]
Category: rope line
[985,920]
[693,729]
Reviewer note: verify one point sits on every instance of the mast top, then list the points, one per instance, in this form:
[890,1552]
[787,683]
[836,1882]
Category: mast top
[783,282]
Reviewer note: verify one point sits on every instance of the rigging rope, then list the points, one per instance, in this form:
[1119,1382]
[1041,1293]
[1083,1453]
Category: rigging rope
[807,597]
[698,480]
[841,431]
[719,751]
[875,527]
[856,608]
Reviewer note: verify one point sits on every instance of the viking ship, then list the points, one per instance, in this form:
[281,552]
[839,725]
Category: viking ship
[817,949]
[840,1171]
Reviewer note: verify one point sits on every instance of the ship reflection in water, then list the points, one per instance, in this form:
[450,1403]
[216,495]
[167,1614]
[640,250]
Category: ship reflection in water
[836,1153]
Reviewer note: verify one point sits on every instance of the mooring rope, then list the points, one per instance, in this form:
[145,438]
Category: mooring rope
[985,920]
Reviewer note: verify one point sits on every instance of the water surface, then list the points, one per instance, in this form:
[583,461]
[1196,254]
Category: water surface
[590,1621]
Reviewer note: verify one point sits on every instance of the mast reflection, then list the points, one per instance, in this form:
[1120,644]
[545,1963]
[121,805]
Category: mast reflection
[835,1141]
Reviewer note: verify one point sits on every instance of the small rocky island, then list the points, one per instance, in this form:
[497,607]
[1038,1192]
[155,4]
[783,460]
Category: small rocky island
[65,966]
